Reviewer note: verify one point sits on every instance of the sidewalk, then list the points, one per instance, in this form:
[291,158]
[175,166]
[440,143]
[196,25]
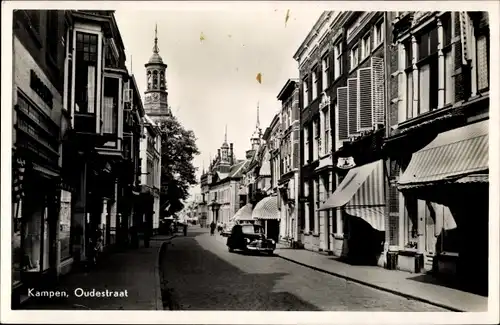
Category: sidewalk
[134,270]
[398,282]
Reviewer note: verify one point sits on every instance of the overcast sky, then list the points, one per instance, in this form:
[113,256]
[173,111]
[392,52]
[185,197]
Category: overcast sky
[212,82]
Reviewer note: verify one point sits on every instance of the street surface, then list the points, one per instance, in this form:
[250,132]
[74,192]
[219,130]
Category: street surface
[200,274]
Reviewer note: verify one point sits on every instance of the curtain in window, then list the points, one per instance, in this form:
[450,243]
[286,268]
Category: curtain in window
[409,94]
[108,125]
[424,81]
[91,89]
[448,83]
[482,62]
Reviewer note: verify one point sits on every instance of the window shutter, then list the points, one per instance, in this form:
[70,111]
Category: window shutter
[352,106]
[465,36]
[378,91]
[365,118]
[342,113]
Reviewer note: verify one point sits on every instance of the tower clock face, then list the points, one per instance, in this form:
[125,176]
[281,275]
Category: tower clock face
[156,97]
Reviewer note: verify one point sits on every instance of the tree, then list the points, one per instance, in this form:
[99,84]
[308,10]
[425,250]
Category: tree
[178,149]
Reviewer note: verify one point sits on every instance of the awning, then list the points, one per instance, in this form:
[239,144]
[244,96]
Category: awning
[244,213]
[451,155]
[361,194]
[267,209]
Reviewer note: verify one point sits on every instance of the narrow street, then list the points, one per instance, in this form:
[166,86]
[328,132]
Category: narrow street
[200,274]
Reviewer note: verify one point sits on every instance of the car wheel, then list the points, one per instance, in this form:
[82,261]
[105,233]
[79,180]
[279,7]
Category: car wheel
[271,253]
[230,249]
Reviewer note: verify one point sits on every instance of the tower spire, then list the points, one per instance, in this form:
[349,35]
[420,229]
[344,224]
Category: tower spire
[155,48]
[258,121]
[225,135]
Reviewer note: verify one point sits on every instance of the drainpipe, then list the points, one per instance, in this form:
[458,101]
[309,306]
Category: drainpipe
[387,65]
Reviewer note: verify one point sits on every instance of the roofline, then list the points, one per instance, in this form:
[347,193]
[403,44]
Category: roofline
[288,84]
[312,33]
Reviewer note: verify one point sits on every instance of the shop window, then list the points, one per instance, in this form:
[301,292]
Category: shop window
[410,222]
[110,105]
[65,225]
[86,70]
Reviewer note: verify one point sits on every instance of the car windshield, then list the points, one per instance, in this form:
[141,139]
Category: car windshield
[252,229]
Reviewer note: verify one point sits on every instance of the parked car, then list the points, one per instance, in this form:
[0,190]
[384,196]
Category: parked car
[226,231]
[249,237]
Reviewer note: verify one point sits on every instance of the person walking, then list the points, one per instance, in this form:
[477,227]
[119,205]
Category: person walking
[212,228]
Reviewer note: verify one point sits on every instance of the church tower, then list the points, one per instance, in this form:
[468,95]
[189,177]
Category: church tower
[156,94]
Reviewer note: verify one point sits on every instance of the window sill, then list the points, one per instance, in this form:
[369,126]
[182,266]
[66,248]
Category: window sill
[363,60]
[408,252]
[376,47]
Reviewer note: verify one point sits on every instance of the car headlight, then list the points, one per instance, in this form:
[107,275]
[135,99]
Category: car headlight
[273,242]
[248,240]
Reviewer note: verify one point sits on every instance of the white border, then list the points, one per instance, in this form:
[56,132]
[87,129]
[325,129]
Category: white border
[185,317]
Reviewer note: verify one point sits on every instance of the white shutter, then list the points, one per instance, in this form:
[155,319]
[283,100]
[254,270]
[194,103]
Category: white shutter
[342,113]
[365,118]
[352,106]
[378,90]
[465,37]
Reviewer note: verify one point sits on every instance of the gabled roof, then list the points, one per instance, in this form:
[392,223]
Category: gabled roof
[238,168]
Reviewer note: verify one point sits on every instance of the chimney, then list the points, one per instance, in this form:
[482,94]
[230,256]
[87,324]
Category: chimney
[231,154]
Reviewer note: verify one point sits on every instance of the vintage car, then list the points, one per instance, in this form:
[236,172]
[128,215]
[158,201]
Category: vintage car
[226,230]
[248,237]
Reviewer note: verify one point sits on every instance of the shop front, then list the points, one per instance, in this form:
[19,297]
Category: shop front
[360,200]
[266,212]
[243,215]
[35,254]
[445,188]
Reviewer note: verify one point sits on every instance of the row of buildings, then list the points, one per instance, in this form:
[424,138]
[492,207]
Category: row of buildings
[86,151]
[379,154]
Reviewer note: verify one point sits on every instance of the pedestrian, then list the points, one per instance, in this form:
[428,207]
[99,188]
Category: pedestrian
[185,229]
[212,228]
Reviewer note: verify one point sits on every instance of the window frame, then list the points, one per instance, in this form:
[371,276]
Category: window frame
[353,53]
[305,92]
[325,68]
[80,65]
[337,68]
[326,129]
[365,41]
[378,29]
[314,76]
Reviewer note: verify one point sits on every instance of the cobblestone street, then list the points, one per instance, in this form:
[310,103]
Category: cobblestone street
[200,274]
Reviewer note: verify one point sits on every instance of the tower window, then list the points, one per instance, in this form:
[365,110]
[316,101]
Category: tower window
[155,79]
[162,80]
[150,80]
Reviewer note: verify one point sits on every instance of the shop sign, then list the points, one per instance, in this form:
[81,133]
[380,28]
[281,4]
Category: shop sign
[345,162]
[41,89]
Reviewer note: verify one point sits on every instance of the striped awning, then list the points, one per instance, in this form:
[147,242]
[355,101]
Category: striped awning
[361,194]
[451,155]
[267,209]
[244,213]
[375,216]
